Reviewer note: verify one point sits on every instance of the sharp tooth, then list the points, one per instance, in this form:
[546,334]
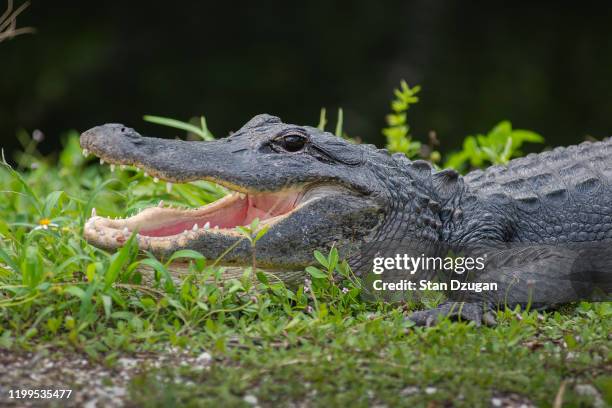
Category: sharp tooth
[93,212]
[161,203]
[185,232]
[195,227]
[146,174]
[85,152]
[155,180]
[242,196]
[112,168]
[101,161]
[216,227]
[207,225]
[126,231]
[122,167]
[169,187]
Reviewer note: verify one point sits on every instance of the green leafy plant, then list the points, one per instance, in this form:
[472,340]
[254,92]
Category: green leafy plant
[397,131]
[253,233]
[498,146]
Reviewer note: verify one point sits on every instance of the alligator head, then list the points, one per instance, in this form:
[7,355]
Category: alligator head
[314,190]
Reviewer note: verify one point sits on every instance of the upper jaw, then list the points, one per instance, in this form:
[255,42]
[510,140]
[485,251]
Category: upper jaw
[234,164]
[172,161]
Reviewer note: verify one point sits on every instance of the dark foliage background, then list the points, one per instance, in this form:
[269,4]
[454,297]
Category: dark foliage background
[546,67]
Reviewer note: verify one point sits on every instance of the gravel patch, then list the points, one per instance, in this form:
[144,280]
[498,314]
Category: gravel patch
[93,384]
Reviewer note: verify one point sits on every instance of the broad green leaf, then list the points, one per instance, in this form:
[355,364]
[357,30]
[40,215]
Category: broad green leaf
[75,291]
[108,303]
[261,232]
[321,258]
[118,260]
[316,273]
[262,278]
[51,203]
[333,258]
[161,269]
[185,254]
[527,136]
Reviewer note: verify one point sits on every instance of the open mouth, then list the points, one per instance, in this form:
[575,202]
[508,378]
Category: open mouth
[221,216]
[227,213]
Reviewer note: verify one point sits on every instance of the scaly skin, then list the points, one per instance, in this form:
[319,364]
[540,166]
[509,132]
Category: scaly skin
[535,217]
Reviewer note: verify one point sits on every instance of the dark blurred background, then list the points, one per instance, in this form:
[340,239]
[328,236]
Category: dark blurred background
[546,66]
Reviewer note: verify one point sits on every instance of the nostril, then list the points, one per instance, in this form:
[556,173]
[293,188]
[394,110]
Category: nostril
[132,135]
[122,130]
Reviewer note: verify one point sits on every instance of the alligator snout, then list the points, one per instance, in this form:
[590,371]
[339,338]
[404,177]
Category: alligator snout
[109,132]
[111,140]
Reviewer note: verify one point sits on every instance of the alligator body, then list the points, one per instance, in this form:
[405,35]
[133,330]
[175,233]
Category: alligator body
[315,191]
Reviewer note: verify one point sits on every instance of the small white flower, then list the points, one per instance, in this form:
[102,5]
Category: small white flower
[45,223]
[345,290]
[307,285]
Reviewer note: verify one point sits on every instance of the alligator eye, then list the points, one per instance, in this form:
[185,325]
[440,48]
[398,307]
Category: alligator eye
[292,142]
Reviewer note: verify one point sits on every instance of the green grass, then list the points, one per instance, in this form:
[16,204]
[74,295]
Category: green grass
[317,343]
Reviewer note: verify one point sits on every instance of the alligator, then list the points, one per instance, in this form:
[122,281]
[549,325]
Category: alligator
[314,191]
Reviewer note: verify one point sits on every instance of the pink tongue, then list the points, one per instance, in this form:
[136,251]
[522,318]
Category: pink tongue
[269,205]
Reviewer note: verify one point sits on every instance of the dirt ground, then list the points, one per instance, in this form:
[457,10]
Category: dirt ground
[92,384]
